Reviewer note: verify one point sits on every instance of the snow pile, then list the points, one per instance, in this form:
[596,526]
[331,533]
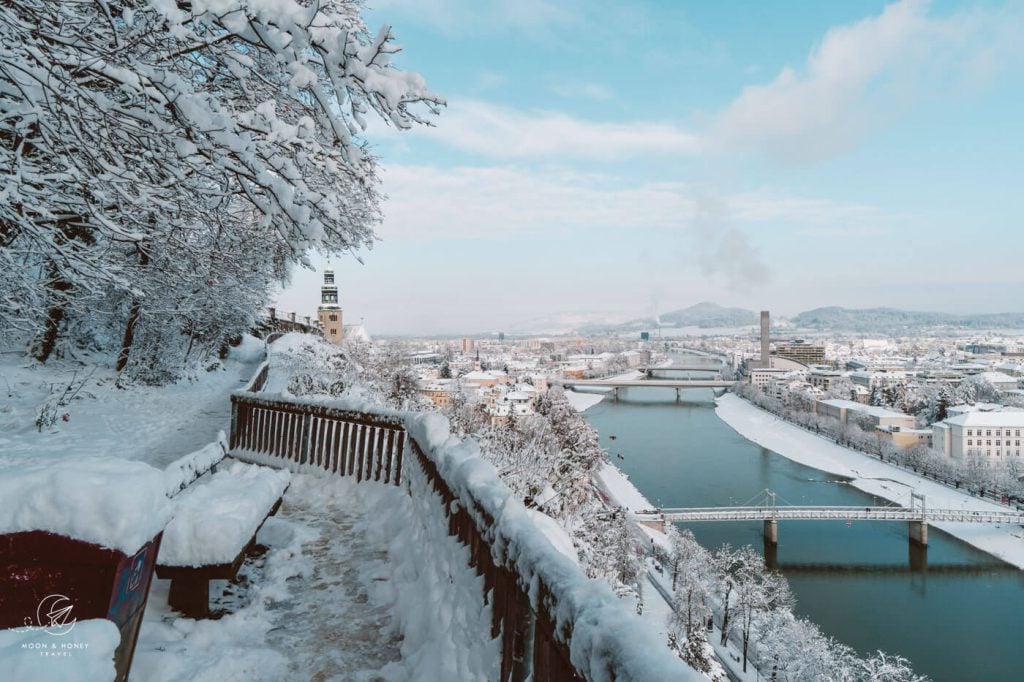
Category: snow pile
[111,502]
[180,473]
[214,520]
[83,654]
[608,642]
[555,534]
[250,349]
[436,598]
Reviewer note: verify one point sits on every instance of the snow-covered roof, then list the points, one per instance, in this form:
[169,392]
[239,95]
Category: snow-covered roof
[866,409]
[1003,418]
[976,407]
[998,378]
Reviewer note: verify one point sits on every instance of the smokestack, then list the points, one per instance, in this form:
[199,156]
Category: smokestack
[765,338]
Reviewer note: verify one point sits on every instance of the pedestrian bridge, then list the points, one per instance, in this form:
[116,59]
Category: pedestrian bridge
[809,513]
[916,515]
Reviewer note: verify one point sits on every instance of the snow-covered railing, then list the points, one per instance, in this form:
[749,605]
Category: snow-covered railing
[322,436]
[554,623]
[183,471]
[259,379]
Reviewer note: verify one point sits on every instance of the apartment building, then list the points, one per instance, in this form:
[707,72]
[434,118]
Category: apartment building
[995,436]
[801,351]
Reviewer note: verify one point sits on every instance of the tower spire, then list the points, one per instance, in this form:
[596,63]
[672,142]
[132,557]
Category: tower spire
[329,312]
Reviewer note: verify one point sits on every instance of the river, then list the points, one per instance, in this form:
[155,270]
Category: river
[953,612]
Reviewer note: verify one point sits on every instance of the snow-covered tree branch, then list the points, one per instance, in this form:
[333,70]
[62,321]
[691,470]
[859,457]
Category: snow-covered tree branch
[165,162]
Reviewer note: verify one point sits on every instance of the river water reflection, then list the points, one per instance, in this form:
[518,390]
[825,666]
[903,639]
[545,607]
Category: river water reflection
[956,617]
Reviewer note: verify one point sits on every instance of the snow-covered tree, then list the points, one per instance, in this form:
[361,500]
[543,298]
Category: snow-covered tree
[883,667]
[758,593]
[841,388]
[154,150]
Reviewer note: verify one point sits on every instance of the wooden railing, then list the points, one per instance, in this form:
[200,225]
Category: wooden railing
[259,380]
[536,636]
[342,442]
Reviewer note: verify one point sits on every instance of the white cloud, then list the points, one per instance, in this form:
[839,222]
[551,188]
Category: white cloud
[430,202]
[500,132]
[862,74]
[702,228]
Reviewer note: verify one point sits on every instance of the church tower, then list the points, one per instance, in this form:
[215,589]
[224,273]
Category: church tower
[329,312]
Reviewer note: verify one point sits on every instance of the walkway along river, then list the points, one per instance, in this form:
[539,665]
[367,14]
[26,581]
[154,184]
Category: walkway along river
[955,613]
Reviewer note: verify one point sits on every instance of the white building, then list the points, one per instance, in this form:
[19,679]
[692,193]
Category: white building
[995,436]
[1001,382]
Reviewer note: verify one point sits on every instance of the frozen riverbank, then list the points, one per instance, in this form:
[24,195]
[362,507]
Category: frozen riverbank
[871,476]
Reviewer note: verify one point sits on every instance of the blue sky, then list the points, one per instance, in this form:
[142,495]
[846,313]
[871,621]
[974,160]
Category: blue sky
[610,159]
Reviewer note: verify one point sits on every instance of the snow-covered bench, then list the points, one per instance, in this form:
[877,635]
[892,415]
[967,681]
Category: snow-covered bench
[214,525]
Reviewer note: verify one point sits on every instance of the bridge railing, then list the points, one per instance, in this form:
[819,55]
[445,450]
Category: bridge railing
[553,622]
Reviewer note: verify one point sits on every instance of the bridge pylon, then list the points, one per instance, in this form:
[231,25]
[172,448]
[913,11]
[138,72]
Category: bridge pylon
[771,525]
[918,530]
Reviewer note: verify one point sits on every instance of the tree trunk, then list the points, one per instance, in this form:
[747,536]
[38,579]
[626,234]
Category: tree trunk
[66,231]
[725,619]
[43,346]
[133,319]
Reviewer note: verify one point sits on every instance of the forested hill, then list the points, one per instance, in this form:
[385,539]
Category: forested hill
[704,315]
[891,319]
[710,315]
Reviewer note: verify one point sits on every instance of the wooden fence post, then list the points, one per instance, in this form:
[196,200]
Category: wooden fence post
[307,422]
[234,424]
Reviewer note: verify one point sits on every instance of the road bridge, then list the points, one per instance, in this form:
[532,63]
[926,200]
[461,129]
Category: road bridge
[617,384]
[681,368]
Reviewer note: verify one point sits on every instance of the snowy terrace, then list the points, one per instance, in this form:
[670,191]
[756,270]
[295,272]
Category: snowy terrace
[397,553]
[459,559]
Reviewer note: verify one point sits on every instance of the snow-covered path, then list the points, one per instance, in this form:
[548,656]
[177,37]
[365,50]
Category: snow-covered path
[155,424]
[356,584]
[328,628]
[871,475]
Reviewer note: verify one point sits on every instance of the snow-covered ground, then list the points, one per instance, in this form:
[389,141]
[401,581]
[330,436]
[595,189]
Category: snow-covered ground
[583,401]
[154,424]
[82,652]
[872,476]
[620,491]
[355,585]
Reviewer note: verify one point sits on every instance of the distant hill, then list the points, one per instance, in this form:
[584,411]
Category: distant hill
[891,320]
[704,315]
[710,315]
